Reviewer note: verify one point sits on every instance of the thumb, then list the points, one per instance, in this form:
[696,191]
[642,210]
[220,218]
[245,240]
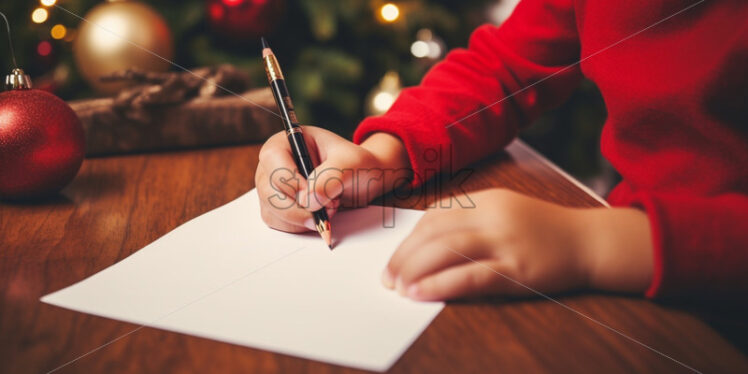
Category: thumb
[327,182]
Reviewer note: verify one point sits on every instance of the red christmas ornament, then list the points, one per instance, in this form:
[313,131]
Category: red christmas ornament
[244,19]
[41,141]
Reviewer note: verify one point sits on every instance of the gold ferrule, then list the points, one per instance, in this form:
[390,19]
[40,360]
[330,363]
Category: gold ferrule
[272,69]
[293,130]
[323,226]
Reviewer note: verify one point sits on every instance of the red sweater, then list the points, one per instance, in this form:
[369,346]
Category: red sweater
[677,127]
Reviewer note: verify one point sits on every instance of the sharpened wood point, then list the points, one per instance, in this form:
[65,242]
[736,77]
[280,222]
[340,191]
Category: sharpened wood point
[327,237]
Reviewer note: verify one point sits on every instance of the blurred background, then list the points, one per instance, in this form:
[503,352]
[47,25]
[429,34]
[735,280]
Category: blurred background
[344,60]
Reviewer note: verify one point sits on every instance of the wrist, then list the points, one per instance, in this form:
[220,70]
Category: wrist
[618,250]
[392,165]
[389,151]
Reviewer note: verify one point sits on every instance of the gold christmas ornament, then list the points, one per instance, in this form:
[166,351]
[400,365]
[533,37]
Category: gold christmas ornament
[118,35]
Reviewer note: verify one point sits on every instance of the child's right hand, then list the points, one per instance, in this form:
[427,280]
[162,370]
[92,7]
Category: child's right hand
[347,174]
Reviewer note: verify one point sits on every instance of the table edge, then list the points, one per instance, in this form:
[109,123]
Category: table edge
[545,161]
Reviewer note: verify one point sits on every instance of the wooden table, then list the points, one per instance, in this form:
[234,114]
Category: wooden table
[117,205]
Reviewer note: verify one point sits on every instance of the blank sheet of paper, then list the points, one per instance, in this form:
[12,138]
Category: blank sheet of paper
[226,276]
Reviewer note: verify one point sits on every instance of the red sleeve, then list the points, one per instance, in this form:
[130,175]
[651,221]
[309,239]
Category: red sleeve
[700,243]
[473,103]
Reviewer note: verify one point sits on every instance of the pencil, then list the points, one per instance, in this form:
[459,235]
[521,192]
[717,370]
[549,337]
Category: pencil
[293,133]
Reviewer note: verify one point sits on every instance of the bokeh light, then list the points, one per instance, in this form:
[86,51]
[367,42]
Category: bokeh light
[383,101]
[390,12]
[44,48]
[58,31]
[48,2]
[39,15]
[420,49]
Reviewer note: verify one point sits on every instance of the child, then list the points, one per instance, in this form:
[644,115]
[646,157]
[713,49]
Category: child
[672,73]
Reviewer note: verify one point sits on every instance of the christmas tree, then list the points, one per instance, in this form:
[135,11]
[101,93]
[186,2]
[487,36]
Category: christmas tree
[343,60]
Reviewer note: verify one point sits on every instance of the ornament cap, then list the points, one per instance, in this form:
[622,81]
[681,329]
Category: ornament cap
[17,80]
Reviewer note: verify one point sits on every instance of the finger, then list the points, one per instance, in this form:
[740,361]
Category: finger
[328,181]
[281,206]
[436,256]
[277,223]
[288,220]
[311,225]
[319,142]
[422,234]
[278,170]
[333,207]
[469,279]
[437,222]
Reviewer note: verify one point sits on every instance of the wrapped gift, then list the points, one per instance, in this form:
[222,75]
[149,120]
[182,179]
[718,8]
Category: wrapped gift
[162,111]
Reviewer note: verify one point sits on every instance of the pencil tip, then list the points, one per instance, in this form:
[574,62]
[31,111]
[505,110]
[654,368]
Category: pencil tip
[327,237]
[264,42]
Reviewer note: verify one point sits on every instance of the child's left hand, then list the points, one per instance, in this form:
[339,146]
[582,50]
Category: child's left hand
[512,244]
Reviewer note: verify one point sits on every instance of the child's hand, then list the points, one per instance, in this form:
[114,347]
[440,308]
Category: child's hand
[286,198]
[521,243]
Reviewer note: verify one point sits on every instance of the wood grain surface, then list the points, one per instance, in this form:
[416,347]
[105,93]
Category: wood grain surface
[117,205]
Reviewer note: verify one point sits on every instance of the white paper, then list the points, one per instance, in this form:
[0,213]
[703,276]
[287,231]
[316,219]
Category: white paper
[226,276]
